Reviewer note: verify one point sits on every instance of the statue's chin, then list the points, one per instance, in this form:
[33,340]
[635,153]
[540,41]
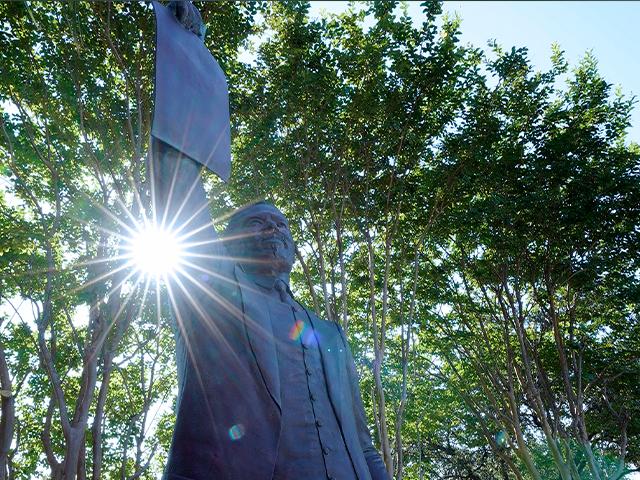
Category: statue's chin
[264,258]
[280,264]
[275,263]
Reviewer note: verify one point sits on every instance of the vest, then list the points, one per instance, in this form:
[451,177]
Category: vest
[311,443]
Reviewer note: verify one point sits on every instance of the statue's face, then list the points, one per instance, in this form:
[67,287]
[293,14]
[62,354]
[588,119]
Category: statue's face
[261,239]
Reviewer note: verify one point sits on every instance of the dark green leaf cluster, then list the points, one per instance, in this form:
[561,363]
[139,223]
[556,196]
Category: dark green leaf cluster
[471,222]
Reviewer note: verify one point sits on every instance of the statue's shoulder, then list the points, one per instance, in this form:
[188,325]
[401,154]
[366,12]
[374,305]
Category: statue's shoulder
[322,324]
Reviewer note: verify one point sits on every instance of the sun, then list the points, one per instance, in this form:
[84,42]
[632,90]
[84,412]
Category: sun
[155,251]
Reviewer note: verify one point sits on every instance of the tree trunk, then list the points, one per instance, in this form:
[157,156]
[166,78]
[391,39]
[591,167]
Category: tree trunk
[378,346]
[7,409]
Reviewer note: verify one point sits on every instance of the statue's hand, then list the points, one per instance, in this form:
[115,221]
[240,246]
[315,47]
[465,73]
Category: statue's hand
[188,16]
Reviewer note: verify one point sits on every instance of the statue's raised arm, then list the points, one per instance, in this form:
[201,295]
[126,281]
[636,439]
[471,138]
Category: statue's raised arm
[190,129]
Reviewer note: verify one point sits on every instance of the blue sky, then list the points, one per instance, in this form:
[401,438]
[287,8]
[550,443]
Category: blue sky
[610,29]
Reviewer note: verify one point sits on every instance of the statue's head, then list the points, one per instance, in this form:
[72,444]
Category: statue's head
[258,236]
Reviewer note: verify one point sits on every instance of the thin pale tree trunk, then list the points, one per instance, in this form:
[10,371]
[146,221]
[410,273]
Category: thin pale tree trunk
[7,410]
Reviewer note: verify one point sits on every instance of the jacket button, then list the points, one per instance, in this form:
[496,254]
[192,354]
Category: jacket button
[318,423]
[325,451]
[312,397]
[308,372]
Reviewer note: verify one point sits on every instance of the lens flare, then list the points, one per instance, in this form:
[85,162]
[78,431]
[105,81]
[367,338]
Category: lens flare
[296,330]
[155,251]
[236,432]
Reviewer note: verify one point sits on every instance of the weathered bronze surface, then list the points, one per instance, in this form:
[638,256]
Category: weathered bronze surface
[267,390]
[191,107]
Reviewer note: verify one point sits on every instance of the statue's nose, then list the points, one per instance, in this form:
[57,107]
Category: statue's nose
[270,225]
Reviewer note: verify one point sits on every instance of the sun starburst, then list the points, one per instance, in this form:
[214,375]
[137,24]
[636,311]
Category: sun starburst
[155,251]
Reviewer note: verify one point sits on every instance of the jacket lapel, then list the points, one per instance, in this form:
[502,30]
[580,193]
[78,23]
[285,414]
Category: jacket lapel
[257,322]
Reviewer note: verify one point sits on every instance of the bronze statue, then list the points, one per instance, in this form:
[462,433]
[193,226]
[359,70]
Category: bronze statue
[267,390]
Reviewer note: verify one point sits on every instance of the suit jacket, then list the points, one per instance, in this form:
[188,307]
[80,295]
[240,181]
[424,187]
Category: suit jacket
[229,410]
[228,419]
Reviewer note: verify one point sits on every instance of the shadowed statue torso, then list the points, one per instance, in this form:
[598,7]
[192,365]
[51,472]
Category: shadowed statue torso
[267,390]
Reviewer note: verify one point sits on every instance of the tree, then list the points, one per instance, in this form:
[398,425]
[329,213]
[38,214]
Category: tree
[470,222]
[545,228]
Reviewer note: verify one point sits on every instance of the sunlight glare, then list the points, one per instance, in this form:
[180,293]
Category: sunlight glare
[155,251]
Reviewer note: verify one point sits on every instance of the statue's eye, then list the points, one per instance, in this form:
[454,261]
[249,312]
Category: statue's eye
[282,225]
[254,222]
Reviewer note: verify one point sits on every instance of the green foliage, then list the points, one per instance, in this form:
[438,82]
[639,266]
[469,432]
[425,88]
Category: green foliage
[471,222]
